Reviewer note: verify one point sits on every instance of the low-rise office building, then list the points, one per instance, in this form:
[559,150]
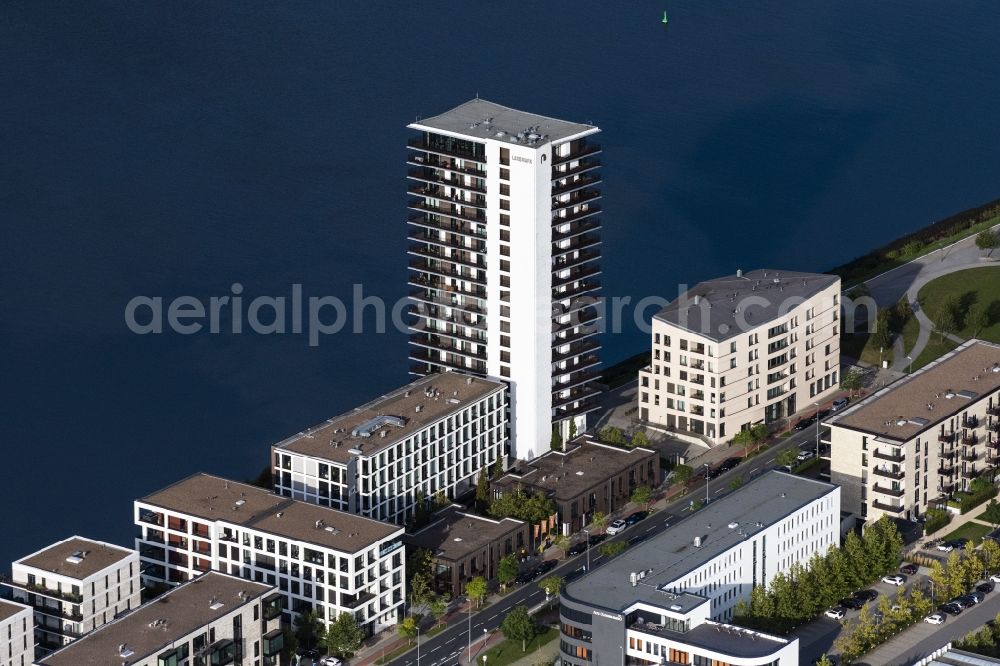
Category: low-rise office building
[431,436]
[464,545]
[17,640]
[586,478]
[921,439]
[749,348]
[667,598]
[75,586]
[214,619]
[323,560]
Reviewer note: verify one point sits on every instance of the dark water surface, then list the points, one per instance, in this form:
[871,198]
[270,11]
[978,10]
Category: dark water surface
[178,147]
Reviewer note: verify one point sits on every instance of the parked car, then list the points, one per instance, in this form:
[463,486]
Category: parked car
[959,543]
[616,526]
[330,661]
[524,577]
[986,588]
[635,517]
[728,464]
[945,547]
[308,654]
[805,423]
[894,579]
[866,595]
[824,413]
[836,613]
[806,455]
[597,538]
[852,603]
[950,608]
[577,549]
[935,618]
[909,569]
[839,404]
[545,567]
[961,602]
[995,578]
[972,598]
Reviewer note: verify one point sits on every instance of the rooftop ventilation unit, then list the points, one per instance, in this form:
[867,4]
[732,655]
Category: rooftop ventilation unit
[124,651]
[733,525]
[371,425]
[677,608]
[76,557]
[697,542]
[215,604]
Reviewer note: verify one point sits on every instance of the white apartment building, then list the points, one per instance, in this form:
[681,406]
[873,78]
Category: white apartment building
[75,586]
[320,559]
[667,598]
[214,619]
[918,441]
[505,244]
[379,460]
[17,635]
[754,347]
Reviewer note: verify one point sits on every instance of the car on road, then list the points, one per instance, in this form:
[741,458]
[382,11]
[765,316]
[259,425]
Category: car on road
[545,567]
[961,602]
[909,569]
[824,413]
[633,518]
[597,538]
[308,654]
[836,613]
[986,588]
[973,598]
[330,661]
[636,539]
[951,608]
[524,577]
[894,579]
[616,526]
[852,603]
[728,464]
[577,549]
[995,578]
[805,455]
[866,595]
[935,618]
[839,404]
[960,543]
[805,423]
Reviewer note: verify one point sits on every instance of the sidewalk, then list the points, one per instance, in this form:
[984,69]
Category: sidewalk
[956,522]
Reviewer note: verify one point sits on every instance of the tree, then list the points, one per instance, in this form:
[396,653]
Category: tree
[441,500]
[418,567]
[990,552]
[498,468]
[519,626]
[551,585]
[482,490]
[343,636]
[824,661]
[308,627]
[642,496]
[556,442]
[409,628]
[420,508]
[640,439]
[882,335]
[736,483]
[477,589]
[682,474]
[508,569]
[598,521]
[611,435]
[977,318]
[987,240]
[787,458]
[561,541]
[612,548]
[852,381]
[572,429]
[946,316]
[751,437]
[439,607]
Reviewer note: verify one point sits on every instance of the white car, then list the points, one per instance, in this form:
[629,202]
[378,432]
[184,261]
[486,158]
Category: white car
[836,613]
[616,527]
[945,547]
[896,580]
[805,455]
[330,661]
[936,618]
[995,578]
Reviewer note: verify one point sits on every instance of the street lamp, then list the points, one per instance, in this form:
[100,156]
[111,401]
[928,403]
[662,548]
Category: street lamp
[909,370]
[418,644]
[816,404]
[548,593]
[587,532]
[706,483]
[470,631]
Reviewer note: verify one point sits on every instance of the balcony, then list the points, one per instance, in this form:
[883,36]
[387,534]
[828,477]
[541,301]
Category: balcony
[441,302]
[947,438]
[579,258]
[946,469]
[583,407]
[894,492]
[993,411]
[575,243]
[576,395]
[575,275]
[573,185]
[574,379]
[435,267]
[891,457]
[468,258]
[950,453]
[468,229]
[437,315]
[450,241]
[435,147]
[890,508]
[889,474]
[578,198]
[60,613]
[433,176]
[585,318]
[353,601]
[577,350]
[449,210]
[971,456]
[439,192]
[434,342]
[575,336]
[44,591]
[435,162]
[451,335]
[150,518]
[970,422]
[565,216]
[585,287]
[970,440]
[575,229]
[584,165]
[584,150]
[478,367]
[61,630]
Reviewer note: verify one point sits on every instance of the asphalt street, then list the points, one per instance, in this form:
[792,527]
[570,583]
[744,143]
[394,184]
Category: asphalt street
[451,646]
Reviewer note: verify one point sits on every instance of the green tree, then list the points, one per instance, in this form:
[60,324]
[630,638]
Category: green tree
[551,585]
[418,569]
[308,628]
[556,442]
[988,241]
[519,626]
[482,491]
[611,435]
[920,603]
[977,318]
[598,521]
[946,316]
[787,457]
[752,438]
[572,429]
[990,552]
[973,568]
[642,496]
[561,541]
[939,580]
[343,636]
[420,509]
[439,607]
[682,474]
[498,468]
[736,483]
[991,513]
[954,575]
[824,661]
[612,548]
[882,335]
[852,381]
[441,500]
[476,589]
[408,628]
[640,439]
[508,570]
[862,567]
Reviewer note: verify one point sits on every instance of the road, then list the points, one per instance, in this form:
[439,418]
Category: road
[450,647]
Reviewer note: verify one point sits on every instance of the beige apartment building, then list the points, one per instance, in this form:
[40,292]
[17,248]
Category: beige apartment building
[754,347]
[921,439]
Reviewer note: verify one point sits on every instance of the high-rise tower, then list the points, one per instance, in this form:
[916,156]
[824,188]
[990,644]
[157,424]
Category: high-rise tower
[505,245]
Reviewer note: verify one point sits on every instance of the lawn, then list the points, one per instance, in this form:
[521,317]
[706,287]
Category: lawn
[861,347]
[626,371]
[510,651]
[974,285]
[972,531]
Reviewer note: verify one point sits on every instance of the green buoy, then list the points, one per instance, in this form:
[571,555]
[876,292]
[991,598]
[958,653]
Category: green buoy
[664,21]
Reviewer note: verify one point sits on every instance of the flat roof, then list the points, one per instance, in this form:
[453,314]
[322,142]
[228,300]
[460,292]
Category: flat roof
[480,119]
[734,304]
[671,554]
[563,475]
[455,533]
[213,498]
[76,557]
[437,396]
[932,394]
[733,640]
[174,615]
[9,609]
